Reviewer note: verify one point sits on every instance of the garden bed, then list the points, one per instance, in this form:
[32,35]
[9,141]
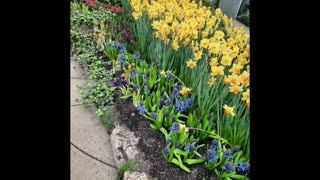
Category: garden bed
[151,143]
[176,119]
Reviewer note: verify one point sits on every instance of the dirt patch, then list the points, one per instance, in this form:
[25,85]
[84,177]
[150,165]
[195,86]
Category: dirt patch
[151,143]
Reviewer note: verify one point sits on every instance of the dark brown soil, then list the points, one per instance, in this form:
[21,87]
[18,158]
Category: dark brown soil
[152,142]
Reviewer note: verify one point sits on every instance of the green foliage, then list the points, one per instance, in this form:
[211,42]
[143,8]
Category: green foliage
[129,166]
[245,17]
[81,14]
[105,115]
[210,3]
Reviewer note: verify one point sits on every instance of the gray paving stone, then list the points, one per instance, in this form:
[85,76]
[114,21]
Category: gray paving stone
[77,71]
[89,134]
[84,167]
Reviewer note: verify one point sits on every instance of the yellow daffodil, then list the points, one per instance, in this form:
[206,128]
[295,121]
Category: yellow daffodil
[185,91]
[163,74]
[204,43]
[211,81]
[244,77]
[236,69]
[198,55]
[217,71]
[191,64]
[235,89]
[234,80]
[228,110]
[175,45]
[226,60]
[214,62]
[182,126]
[246,96]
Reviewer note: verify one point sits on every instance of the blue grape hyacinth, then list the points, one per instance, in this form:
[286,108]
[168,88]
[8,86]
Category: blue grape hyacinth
[212,156]
[243,167]
[228,167]
[175,128]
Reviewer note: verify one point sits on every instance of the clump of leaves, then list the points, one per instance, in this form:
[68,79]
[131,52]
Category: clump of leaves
[129,166]
[105,114]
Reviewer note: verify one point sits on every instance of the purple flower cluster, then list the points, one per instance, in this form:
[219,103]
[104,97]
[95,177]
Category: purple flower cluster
[190,148]
[180,107]
[124,81]
[141,108]
[134,72]
[189,103]
[228,167]
[170,76]
[168,103]
[228,154]
[243,167]
[154,116]
[178,145]
[214,145]
[235,149]
[212,156]
[166,151]
[175,93]
[175,128]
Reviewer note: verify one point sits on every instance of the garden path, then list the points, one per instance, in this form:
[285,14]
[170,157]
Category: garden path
[91,152]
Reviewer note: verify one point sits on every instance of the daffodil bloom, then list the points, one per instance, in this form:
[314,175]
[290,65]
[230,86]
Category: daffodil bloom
[163,74]
[214,62]
[226,60]
[246,96]
[182,126]
[191,64]
[236,69]
[198,55]
[228,110]
[204,43]
[175,45]
[211,81]
[217,71]
[218,35]
[234,80]
[185,91]
[244,77]
[214,48]
[136,15]
[235,89]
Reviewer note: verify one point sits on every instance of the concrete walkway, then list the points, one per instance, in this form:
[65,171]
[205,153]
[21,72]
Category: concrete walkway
[91,152]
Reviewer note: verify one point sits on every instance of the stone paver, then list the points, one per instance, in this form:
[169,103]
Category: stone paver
[77,71]
[84,167]
[89,134]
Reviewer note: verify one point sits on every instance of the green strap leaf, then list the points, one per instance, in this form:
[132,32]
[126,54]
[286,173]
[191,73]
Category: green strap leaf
[194,161]
[239,177]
